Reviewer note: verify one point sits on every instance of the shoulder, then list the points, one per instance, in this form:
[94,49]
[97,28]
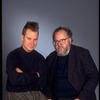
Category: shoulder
[52,55]
[14,52]
[13,56]
[79,51]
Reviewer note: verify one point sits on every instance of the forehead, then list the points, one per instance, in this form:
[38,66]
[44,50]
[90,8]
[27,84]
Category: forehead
[30,33]
[61,34]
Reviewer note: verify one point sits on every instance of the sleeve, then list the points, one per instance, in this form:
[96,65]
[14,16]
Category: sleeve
[18,79]
[91,76]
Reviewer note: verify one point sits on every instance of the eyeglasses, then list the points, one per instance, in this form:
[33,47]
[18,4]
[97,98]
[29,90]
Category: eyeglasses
[62,41]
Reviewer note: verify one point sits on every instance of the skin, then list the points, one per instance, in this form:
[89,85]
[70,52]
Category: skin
[29,40]
[62,48]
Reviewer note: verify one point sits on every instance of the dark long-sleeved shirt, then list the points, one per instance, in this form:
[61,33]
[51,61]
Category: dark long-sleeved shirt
[29,63]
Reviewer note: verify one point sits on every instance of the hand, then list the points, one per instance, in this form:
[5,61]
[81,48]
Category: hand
[18,70]
[38,74]
[49,99]
[76,99]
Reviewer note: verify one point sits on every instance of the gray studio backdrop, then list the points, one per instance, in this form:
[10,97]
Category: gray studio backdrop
[81,16]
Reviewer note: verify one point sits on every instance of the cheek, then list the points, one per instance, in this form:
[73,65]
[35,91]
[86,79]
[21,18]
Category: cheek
[67,45]
[35,43]
[25,41]
[56,47]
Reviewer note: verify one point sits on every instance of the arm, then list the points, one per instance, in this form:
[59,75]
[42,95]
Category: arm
[20,71]
[15,78]
[76,99]
[91,76]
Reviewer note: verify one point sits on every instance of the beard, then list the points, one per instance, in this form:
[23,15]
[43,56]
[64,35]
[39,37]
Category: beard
[61,52]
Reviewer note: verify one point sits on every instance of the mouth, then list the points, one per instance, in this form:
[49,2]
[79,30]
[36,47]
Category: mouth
[60,47]
[31,47]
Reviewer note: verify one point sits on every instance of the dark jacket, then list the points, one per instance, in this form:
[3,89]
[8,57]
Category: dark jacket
[82,72]
[29,63]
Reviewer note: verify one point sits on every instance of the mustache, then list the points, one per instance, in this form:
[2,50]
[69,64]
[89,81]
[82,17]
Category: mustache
[60,47]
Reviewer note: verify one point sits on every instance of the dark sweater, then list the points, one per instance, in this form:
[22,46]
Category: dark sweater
[29,63]
[62,86]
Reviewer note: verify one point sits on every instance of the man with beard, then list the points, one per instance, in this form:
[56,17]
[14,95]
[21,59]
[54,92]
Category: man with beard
[72,73]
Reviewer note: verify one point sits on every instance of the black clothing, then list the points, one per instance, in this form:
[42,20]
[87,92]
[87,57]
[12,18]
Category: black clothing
[29,63]
[82,72]
[62,87]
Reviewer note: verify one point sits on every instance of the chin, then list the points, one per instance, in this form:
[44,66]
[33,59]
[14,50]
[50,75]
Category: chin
[30,50]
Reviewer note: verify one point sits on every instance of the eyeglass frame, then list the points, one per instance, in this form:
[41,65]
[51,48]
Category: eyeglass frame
[61,40]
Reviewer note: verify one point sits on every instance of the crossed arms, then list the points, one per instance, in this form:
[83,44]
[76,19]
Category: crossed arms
[20,71]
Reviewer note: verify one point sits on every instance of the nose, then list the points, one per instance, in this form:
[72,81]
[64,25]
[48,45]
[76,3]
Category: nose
[32,42]
[59,43]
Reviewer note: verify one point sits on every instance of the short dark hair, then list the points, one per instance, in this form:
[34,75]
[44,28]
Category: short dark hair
[31,25]
[67,30]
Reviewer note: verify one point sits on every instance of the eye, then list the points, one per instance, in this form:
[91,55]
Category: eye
[29,38]
[56,41]
[35,39]
[62,40]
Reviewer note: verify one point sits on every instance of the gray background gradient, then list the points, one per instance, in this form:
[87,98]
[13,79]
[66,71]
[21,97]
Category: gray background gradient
[81,16]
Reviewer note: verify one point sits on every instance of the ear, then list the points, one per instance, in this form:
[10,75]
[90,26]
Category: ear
[70,40]
[22,37]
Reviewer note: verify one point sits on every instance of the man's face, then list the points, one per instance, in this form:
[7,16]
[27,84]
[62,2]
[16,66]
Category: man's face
[29,40]
[63,43]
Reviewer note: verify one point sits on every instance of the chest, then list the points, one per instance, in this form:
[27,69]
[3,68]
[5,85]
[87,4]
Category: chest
[28,62]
